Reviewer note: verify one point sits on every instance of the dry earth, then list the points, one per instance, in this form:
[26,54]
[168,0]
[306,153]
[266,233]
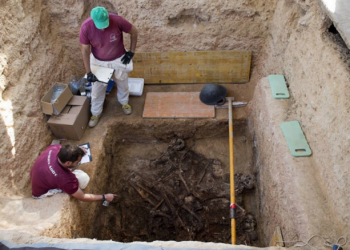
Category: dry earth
[304,196]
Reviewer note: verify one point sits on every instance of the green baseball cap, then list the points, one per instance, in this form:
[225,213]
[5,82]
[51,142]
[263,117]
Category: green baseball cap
[100,17]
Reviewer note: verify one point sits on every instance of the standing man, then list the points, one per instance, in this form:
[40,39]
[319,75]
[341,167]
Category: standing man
[101,37]
[51,174]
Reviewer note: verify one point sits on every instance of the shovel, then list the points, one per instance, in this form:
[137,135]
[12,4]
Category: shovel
[215,94]
[232,169]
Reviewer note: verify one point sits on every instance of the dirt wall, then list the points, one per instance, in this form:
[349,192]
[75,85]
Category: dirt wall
[40,47]
[306,196]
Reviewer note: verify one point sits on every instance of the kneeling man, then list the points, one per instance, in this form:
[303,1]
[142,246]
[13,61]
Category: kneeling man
[52,173]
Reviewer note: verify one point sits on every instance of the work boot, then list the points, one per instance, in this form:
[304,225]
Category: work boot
[127,109]
[94,120]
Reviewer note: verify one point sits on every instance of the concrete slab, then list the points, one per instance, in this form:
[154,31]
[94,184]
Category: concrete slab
[109,245]
[339,13]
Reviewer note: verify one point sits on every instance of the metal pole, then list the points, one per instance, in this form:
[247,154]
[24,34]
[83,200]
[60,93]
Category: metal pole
[232,175]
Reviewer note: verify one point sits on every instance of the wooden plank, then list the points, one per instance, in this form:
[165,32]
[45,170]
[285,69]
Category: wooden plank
[192,67]
[176,105]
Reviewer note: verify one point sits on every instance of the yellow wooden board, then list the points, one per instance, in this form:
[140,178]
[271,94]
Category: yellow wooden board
[230,66]
[176,105]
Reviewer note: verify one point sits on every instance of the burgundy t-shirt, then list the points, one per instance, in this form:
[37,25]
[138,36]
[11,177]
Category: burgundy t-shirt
[48,174]
[106,44]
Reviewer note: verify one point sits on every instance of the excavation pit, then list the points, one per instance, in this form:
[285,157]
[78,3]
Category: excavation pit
[173,183]
[296,39]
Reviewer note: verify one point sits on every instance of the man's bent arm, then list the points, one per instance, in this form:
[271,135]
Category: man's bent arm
[80,195]
[85,51]
[133,39]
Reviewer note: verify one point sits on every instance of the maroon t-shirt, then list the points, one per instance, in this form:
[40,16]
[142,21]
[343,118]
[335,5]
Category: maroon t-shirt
[48,174]
[106,44]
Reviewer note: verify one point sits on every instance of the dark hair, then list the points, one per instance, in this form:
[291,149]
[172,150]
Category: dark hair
[70,152]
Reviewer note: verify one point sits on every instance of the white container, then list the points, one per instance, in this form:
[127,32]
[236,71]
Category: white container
[136,86]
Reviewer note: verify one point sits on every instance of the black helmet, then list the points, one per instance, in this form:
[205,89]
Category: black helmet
[213,94]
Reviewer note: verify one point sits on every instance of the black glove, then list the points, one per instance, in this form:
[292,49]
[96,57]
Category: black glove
[127,57]
[91,77]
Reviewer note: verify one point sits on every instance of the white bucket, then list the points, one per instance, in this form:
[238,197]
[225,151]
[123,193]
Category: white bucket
[136,86]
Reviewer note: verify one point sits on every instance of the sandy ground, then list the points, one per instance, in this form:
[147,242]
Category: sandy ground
[304,196]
